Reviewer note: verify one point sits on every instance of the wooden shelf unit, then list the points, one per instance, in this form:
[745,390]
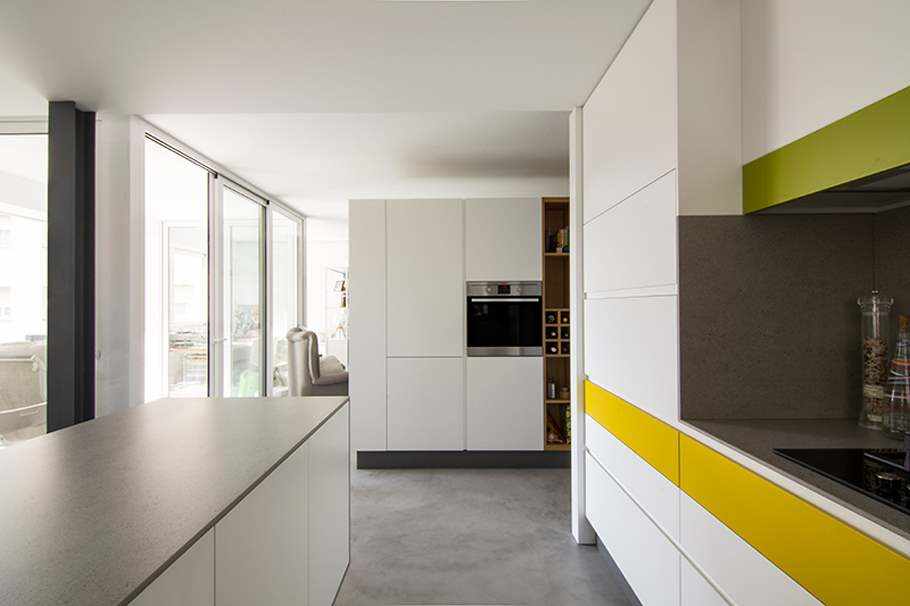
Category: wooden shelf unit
[556,412]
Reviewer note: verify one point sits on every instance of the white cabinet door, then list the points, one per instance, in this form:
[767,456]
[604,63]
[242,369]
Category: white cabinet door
[695,589]
[504,403]
[631,350]
[367,324]
[630,134]
[425,278]
[261,544]
[503,239]
[648,560]
[190,581]
[328,513]
[426,403]
[633,245]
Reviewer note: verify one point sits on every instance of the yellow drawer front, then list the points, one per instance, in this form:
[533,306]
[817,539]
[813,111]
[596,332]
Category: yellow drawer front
[833,561]
[651,439]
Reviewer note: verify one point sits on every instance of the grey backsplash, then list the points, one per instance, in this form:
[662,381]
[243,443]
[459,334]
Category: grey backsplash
[769,326]
[892,258]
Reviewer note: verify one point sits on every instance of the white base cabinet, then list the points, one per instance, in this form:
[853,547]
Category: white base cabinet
[695,590]
[647,559]
[286,542]
[190,581]
[504,410]
[261,544]
[426,403]
[328,515]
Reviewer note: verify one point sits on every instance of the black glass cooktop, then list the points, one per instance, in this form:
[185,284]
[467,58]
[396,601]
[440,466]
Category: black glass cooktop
[883,474]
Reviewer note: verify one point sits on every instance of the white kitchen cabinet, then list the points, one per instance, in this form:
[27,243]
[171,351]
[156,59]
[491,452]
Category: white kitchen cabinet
[733,565]
[647,559]
[695,589]
[504,403]
[503,239]
[633,245]
[425,278]
[426,403]
[367,324]
[631,346]
[630,134]
[648,487]
[328,514]
[261,544]
[189,581]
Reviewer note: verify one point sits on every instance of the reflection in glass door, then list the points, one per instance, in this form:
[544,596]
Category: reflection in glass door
[285,309]
[242,294]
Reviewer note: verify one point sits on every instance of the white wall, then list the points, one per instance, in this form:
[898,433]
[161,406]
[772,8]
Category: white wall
[326,246]
[808,63]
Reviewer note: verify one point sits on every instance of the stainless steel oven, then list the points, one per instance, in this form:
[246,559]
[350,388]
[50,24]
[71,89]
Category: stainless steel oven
[504,319]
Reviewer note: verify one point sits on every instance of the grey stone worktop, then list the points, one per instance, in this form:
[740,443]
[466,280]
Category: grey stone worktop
[93,513]
[758,438]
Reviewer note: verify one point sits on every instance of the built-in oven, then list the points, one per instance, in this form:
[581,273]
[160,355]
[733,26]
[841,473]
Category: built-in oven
[504,319]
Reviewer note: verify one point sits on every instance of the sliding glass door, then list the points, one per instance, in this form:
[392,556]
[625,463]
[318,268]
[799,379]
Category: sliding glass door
[216,256]
[176,275]
[242,293]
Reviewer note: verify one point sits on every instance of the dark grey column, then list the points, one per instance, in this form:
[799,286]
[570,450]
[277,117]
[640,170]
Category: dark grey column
[70,265]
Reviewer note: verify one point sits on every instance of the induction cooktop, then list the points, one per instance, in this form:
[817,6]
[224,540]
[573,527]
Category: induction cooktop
[883,474]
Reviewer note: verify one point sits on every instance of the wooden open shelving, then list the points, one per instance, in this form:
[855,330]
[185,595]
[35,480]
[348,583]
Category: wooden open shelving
[556,324]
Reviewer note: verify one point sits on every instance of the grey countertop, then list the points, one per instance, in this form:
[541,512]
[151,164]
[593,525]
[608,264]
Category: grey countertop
[93,513]
[757,438]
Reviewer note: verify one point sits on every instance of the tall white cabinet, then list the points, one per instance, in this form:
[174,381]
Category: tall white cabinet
[502,239]
[425,279]
[412,388]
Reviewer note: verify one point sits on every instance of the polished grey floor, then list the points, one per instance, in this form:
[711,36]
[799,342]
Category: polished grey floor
[471,537]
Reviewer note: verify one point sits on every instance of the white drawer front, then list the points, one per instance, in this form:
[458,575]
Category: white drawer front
[648,560]
[695,589]
[633,245]
[651,490]
[631,350]
[734,565]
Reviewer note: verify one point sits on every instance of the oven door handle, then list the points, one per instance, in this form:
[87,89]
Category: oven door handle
[503,300]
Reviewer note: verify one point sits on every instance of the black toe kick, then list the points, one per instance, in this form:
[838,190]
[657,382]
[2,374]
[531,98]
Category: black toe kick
[462,459]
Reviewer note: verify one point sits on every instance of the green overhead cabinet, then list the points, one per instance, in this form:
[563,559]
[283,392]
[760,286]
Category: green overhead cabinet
[870,141]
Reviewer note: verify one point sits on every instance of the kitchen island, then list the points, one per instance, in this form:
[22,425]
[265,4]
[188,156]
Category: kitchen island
[127,507]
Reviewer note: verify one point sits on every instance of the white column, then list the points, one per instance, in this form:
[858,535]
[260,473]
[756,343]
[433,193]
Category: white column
[581,528]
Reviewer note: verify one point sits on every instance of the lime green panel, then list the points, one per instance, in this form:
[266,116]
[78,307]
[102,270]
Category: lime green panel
[869,141]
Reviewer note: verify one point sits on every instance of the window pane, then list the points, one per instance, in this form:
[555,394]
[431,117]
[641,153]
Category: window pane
[242,291]
[285,240]
[23,287]
[176,274]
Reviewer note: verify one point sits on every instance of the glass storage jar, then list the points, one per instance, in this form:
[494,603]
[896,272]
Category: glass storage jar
[875,310]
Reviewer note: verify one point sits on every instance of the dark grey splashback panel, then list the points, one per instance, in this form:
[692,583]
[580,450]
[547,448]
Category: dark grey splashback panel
[769,325]
[892,257]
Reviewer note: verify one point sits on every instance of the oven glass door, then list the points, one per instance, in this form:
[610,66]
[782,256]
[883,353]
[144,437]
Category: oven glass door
[504,326]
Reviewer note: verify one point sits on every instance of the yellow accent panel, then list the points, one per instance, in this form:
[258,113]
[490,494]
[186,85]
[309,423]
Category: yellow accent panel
[830,559]
[651,439]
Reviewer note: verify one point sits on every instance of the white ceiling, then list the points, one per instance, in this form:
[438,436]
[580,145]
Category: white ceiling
[321,101]
[255,56]
[316,162]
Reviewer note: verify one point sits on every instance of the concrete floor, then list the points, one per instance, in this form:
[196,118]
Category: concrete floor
[471,537]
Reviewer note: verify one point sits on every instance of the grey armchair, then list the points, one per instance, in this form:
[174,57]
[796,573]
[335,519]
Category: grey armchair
[309,374]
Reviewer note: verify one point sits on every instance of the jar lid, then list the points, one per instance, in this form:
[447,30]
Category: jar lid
[875,299]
